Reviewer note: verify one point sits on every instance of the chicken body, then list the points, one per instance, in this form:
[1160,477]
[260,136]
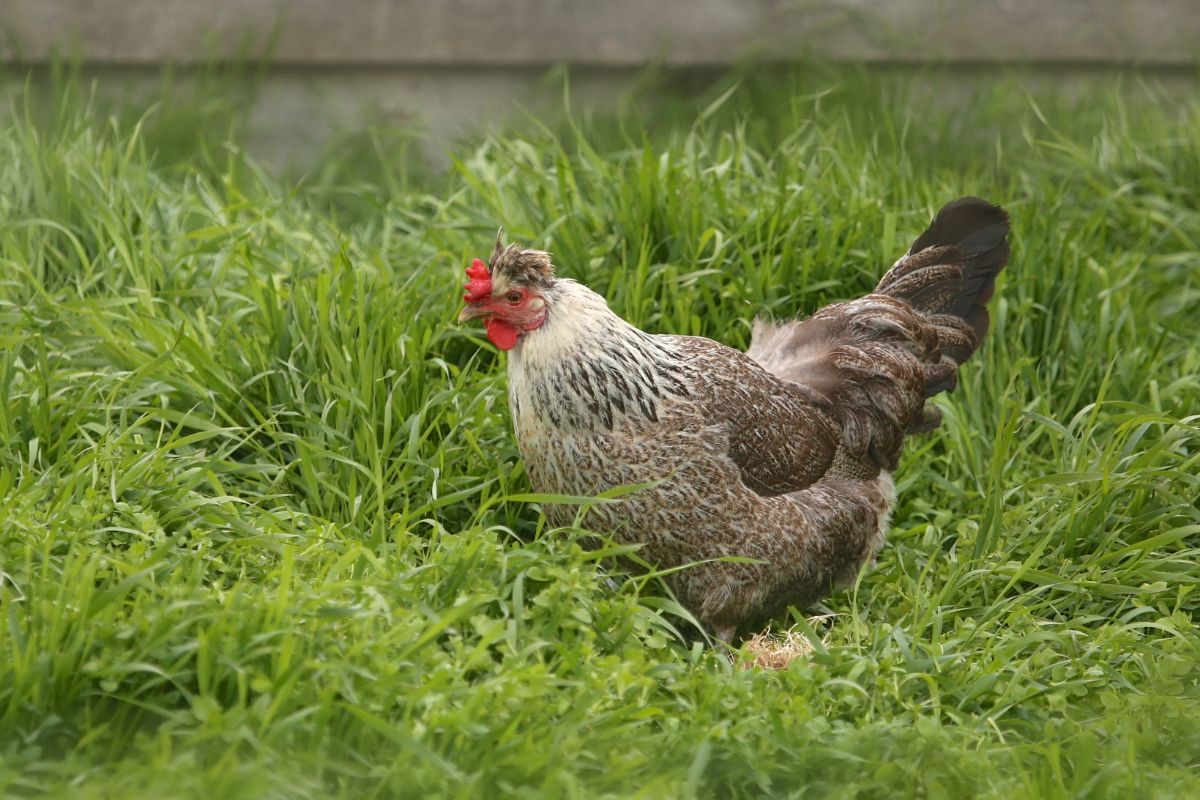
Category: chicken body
[781,456]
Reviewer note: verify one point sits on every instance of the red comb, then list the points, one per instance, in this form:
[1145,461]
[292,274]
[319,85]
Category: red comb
[480,285]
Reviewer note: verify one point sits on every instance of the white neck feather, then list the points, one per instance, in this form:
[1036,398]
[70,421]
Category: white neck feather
[575,317]
[586,368]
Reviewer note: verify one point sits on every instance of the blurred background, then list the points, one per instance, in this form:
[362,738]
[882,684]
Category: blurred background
[303,72]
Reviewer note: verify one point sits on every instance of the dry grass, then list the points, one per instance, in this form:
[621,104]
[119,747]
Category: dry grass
[777,650]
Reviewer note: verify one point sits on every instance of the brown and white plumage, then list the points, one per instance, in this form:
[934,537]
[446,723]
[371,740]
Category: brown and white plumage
[782,455]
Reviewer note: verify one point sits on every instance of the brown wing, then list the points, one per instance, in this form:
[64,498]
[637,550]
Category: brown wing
[872,358]
[781,434]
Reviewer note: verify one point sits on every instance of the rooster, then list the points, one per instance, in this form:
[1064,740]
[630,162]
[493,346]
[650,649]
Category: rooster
[780,456]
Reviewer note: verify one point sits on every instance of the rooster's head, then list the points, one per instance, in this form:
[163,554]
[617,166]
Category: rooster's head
[508,292]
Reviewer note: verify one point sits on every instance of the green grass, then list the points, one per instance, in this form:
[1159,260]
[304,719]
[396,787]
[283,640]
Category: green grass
[261,521]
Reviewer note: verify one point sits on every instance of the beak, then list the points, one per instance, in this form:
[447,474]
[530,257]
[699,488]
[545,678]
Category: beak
[470,312]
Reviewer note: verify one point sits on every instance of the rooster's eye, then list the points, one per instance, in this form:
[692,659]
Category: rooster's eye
[514,297]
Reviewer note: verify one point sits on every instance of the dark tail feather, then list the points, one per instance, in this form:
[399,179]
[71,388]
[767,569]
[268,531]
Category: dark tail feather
[877,359]
[949,273]
[948,276]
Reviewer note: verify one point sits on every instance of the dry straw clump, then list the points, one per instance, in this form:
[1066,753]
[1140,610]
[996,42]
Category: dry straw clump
[775,651]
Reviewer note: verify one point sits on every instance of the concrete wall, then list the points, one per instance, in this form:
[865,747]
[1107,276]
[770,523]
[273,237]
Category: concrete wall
[612,33]
[446,66]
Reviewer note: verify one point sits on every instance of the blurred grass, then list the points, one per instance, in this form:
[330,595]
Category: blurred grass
[255,534]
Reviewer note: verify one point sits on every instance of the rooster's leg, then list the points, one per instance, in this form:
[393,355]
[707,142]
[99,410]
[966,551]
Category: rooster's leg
[725,633]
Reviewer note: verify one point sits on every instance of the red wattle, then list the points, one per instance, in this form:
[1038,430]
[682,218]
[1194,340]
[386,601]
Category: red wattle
[502,334]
